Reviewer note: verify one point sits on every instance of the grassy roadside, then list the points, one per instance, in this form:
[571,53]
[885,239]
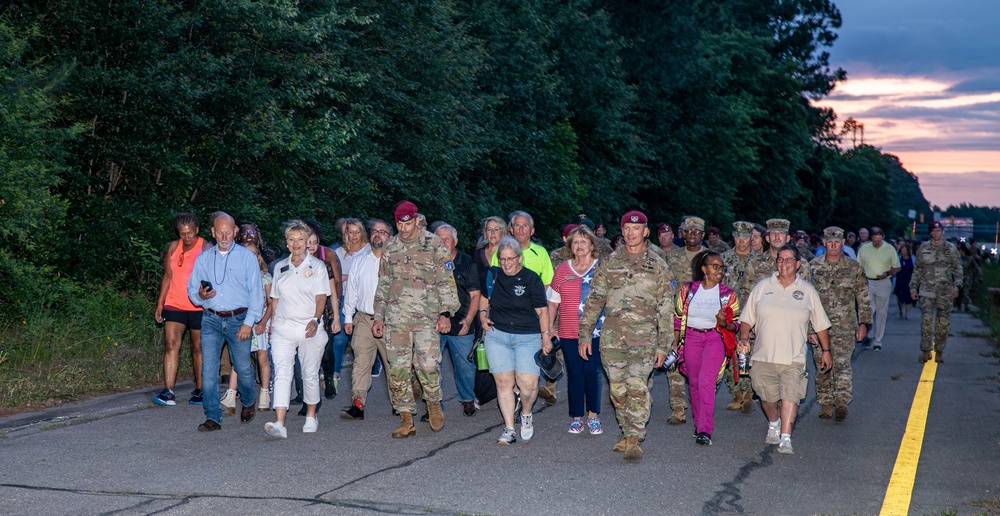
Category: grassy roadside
[989,310]
[103,342]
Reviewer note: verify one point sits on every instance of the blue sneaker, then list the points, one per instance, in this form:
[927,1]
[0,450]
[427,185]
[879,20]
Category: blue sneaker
[594,425]
[576,426]
[197,397]
[166,398]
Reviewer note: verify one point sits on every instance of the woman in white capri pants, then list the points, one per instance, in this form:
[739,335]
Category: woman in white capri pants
[298,297]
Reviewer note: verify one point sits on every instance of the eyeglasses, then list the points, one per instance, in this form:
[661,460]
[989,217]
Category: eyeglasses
[380,232]
[248,233]
[509,260]
[785,260]
[716,266]
[495,229]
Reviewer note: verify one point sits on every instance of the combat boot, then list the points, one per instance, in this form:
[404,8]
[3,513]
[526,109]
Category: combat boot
[737,402]
[747,402]
[825,411]
[939,357]
[620,446]
[841,411]
[678,417]
[435,416]
[406,428]
[633,453]
[925,356]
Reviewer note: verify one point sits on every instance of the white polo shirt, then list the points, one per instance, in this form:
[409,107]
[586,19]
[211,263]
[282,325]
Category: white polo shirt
[782,316]
[359,294]
[296,289]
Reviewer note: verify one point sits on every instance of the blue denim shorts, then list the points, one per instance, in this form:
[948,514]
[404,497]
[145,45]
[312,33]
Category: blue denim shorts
[512,352]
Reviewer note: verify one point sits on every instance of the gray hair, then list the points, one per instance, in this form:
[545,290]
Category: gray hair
[450,229]
[508,242]
[372,222]
[519,213]
[297,225]
[500,222]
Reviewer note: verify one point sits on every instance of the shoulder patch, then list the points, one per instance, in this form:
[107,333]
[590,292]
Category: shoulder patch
[448,264]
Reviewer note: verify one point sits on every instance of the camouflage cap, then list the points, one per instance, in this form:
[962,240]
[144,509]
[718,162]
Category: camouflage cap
[742,229]
[693,223]
[833,233]
[778,225]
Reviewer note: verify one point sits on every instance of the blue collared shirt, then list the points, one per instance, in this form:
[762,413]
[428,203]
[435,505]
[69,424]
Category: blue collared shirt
[235,278]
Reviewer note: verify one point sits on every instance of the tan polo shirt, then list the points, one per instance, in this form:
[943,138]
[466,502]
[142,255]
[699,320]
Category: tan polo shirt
[781,317]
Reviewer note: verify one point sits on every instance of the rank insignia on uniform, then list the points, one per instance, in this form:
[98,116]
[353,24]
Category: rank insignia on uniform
[449,265]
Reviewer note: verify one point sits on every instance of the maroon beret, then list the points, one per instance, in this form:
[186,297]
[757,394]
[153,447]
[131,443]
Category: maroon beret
[935,225]
[663,228]
[713,231]
[634,217]
[405,211]
[567,228]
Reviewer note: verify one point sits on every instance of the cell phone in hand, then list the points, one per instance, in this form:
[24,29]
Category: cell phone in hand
[206,285]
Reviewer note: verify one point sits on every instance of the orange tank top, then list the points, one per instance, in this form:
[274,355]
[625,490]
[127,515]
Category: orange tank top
[181,264]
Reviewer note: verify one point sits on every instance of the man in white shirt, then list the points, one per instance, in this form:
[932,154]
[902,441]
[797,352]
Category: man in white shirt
[359,301]
[880,262]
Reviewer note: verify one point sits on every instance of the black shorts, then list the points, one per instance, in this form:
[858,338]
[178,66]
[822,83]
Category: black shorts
[191,320]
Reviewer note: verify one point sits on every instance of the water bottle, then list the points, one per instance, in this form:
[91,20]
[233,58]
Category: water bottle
[743,363]
[671,358]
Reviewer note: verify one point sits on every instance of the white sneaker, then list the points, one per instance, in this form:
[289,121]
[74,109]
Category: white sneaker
[228,402]
[264,402]
[773,433]
[786,446]
[310,426]
[276,429]
[527,429]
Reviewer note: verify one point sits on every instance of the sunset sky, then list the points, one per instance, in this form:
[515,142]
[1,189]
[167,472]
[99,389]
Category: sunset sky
[924,79]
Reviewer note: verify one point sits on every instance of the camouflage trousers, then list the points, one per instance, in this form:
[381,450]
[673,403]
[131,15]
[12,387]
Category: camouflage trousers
[678,386]
[744,383]
[419,349]
[934,327]
[837,384]
[628,366]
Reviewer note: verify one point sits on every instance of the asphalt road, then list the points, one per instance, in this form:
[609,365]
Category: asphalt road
[122,454]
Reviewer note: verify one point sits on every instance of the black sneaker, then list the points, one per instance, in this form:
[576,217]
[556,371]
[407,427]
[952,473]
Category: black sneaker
[469,408]
[297,400]
[704,439]
[165,398]
[197,397]
[355,411]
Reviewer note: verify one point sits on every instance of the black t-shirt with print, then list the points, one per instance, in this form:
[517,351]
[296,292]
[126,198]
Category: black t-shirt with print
[514,300]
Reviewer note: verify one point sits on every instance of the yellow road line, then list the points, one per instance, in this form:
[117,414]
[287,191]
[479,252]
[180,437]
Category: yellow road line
[897,496]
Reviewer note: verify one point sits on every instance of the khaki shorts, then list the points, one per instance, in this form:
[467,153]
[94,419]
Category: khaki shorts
[773,382]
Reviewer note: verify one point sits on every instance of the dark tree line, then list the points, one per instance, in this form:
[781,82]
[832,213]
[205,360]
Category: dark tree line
[116,115]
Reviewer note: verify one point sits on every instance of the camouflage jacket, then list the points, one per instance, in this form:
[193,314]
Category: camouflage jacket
[557,256]
[636,297]
[415,281]
[937,269]
[742,273]
[680,266]
[843,290]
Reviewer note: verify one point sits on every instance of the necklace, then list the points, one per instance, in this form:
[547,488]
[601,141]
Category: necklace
[225,265]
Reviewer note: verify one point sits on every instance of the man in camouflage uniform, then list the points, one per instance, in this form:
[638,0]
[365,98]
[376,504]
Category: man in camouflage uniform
[715,242]
[679,263]
[937,276]
[414,301]
[743,266]
[564,253]
[843,289]
[777,236]
[633,289]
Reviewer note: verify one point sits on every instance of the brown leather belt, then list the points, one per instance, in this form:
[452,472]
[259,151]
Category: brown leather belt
[699,330]
[226,314]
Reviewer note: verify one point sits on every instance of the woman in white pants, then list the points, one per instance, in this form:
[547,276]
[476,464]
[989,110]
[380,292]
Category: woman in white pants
[298,297]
